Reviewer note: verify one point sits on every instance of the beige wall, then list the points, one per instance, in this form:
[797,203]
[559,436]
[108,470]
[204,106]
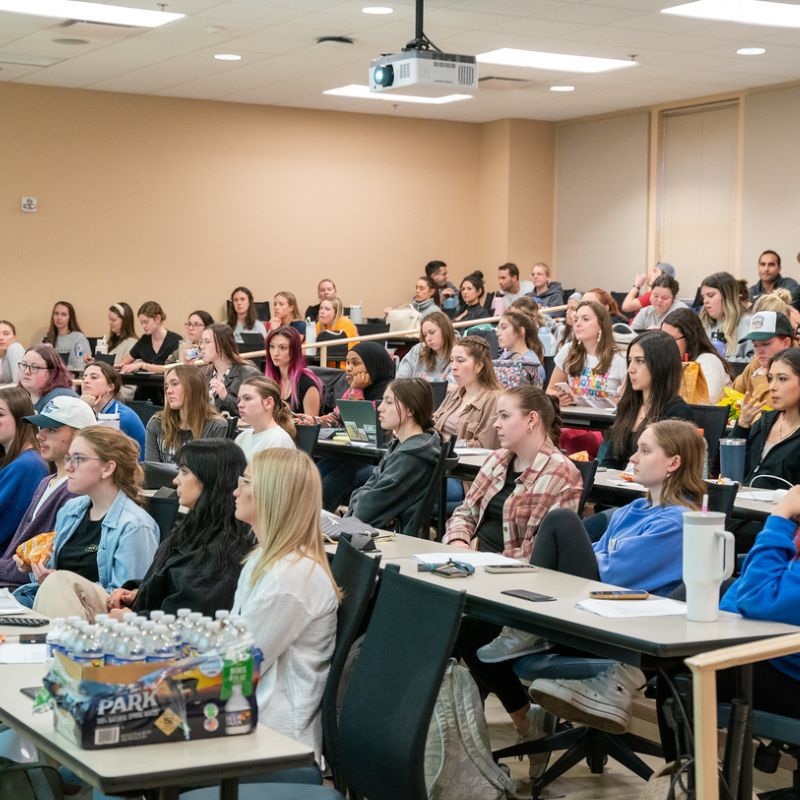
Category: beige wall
[181,200]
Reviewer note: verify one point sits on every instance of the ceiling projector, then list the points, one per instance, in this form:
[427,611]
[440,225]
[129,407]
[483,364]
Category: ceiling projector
[423,72]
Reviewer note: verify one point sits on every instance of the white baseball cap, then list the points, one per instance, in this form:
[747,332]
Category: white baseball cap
[64,410]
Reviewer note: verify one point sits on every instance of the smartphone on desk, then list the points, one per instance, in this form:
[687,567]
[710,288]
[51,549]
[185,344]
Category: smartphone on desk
[509,569]
[524,594]
[620,594]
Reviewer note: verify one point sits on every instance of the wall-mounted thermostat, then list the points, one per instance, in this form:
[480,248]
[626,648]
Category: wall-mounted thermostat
[30,205]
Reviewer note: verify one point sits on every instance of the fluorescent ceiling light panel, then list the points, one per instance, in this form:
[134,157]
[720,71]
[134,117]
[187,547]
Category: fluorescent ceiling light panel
[749,12]
[377,10]
[555,62]
[562,88]
[90,12]
[227,57]
[362,92]
[751,51]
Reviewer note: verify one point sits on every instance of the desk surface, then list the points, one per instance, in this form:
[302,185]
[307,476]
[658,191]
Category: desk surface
[561,621]
[146,766]
[588,416]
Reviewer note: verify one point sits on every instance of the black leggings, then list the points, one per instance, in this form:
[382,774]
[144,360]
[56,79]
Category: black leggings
[561,544]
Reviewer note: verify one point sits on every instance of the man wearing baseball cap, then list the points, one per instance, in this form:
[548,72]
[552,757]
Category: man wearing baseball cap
[58,422]
[770,332]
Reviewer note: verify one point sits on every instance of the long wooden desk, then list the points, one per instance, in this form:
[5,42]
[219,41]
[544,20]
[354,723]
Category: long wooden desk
[162,767]
[588,417]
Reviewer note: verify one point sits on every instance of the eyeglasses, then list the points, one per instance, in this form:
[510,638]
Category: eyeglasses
[244,481]
[79,459]
[194,324]
[24,366]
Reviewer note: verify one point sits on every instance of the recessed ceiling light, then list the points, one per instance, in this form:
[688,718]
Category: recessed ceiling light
[90,12]
[227,57]
[562,88]
[557,62]
[750,12]
[751,51]
[362,92]
[377,10]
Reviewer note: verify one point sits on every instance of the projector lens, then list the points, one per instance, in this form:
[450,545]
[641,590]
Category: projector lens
[384,76]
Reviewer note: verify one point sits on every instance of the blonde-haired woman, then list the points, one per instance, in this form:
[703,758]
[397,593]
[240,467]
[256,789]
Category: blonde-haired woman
[330,318]
[187,414]
[286,592]
[285,310]
[269,417]
[104,538]
[724,317]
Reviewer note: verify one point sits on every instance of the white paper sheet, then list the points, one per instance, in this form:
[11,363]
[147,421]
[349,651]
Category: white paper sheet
[12,653]
[468,557]
[472,451]
[761,495]
[616,609]
[627,484]
[9,606]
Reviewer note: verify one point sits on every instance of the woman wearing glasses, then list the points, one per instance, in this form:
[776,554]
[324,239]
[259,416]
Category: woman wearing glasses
[43,375]
[103,537]
[188,351]
[21,466]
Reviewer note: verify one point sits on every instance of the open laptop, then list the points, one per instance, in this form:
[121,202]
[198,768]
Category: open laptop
[360,420]
[250,342]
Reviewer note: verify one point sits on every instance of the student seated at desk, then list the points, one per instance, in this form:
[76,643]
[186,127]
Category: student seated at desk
[156,343]
[724,317]
[430,359]
[242,314]
[369,370]
[330,318]
[326,289]
[285,310]
[520,483]
[100,388]
[43,375]
[650,394]
[520,362]
[471,294]
[773,440]
[11,352]
[598,295]
[286,365]
[103,538]
[269,417]
[286,592]
[197,566]
[21,466]
[226,369]
[121,336]
[64,417]
[641,548]
[188,352]
[188,414]
[402,478]
[67,337]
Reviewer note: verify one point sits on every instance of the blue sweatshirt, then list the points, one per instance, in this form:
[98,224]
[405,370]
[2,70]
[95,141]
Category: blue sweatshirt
[129,423]
[18,482]
[642,547]
[769,587]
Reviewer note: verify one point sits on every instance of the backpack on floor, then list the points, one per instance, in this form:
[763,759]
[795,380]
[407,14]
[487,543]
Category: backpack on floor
[29,781]
[458,756]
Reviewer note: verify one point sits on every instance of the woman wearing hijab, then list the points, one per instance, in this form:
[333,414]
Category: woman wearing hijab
[369,370]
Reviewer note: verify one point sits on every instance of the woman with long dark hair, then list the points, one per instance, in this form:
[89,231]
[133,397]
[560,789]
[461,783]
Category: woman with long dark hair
[286,365]
[197,566]
[242,314]
[471,294]
[651,393]
[121,336]
[520,361]
[226,369]
[684,326]
[67,337]
[155,344]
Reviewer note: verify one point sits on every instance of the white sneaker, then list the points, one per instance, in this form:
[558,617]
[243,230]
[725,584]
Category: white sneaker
[603,702]
[512,643]
[541,724]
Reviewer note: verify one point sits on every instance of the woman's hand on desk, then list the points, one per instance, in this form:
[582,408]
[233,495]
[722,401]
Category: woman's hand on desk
[749,411]
[132,367]
[789,507]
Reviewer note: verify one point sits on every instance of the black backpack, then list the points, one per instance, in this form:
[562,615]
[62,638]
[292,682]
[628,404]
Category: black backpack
[29,781]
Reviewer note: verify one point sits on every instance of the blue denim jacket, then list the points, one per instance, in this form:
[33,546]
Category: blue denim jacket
[129,537]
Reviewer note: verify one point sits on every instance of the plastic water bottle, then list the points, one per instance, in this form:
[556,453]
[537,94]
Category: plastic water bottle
[311,337]
[548,343]
[223,618]
[208,637]
[53,639]
[237,713]
[128,647]
[174,632]
[87,648]
[72,637]
[160,644]
[157,615]
[110,635]
[101,348]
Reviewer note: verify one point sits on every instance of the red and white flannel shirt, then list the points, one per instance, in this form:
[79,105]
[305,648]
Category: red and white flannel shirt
[552,481]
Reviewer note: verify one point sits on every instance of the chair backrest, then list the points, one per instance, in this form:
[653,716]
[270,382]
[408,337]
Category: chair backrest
[620,298]
[93,340]
[336,352]
[262,309]
[439,389]
[489,335]
[587,469]
[549,365]
[388,705]
[233,427]
[722,497]
[158,474]
[334,384]
[738,367]
[368,328]
[355,573]
[306,437]
[144,409]
[712,419]
[418,526]
[164,510]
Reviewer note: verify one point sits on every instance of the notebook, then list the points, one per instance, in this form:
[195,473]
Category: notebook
[360,420]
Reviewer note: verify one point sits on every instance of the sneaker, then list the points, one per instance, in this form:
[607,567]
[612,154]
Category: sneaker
[512,643]
[541,724]
[602,702]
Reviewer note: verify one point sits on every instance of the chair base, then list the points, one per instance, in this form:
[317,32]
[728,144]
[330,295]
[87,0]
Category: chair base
[585,743]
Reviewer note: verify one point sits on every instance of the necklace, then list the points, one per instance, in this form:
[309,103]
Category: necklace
[781,435]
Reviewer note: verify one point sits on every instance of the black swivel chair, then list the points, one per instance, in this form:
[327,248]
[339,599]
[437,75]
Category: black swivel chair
[549,365]
[420,523]
[306,438]
[389,701]
[144,409]
[163,508]
[587,469]
[712,419]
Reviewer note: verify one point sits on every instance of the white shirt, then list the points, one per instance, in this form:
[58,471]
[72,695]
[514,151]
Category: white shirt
[258,327]
[714,373]
[524,288]
[291,612]
[589,382]
[252,442]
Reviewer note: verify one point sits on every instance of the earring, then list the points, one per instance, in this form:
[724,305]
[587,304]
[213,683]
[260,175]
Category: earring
[599,336]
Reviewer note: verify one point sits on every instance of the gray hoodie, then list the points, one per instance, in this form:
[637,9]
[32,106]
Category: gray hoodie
[399,482]
[553,295]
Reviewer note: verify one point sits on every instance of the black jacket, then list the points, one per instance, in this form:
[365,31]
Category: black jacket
[783,460]
[677,408]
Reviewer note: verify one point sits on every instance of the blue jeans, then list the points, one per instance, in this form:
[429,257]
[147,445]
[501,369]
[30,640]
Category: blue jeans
[26,594]
[340,479]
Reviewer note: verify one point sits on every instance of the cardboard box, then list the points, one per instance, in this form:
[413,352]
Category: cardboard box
[149,703]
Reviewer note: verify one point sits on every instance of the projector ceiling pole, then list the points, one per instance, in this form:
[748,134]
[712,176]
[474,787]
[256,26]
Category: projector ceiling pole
[419,35]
